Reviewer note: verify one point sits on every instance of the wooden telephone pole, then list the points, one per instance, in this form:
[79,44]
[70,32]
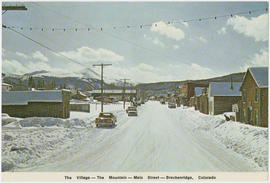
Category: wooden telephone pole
[101,82]
[124,89]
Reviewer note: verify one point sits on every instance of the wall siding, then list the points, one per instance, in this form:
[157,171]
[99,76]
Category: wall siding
[41,109]
[224,103]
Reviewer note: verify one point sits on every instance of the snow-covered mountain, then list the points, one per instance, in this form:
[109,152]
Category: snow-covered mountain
[84,73]
[81,79]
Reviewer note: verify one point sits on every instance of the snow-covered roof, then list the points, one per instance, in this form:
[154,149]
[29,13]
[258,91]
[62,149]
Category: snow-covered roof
[112,91]
[5,84]
[23,97]
[260,75]
[224,89]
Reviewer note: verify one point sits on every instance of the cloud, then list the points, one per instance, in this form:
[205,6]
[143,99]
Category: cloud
[257,60]
[175,47]
[256,27]
[90,55]
[168,30]
[202,39]
[38,55]
[13,67]
[156,41]
[147,67]
[3,52]
[222,31]
[144,72]
[21,54]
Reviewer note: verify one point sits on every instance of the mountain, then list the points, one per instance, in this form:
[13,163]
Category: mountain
[82,80]
[161,88]
[87,78]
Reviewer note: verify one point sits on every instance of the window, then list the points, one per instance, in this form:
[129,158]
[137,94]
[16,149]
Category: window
[256,116]
[244,114]
[256,94]
[244,95]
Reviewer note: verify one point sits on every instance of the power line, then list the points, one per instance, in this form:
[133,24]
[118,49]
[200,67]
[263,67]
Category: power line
[140,26]
[44,46]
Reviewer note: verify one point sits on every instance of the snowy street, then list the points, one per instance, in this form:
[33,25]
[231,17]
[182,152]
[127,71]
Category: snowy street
[159,139]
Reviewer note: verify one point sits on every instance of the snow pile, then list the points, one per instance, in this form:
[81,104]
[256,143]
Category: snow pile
[48,122]
[6,119]
[36,140]
[247,140]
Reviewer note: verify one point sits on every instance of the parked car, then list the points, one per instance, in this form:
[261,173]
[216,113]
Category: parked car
[171,105]
[131,108]
[132,113]
[105,119]
[162,101]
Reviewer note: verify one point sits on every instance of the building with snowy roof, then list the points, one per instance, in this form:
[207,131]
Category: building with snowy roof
[6,87]
[39,103]
[253,108]
[222,95]
[113,94]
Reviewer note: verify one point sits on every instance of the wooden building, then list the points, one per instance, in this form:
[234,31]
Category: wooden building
[188,89]
[192,102]
[79,96]
[6,87]
[113,94]
[222,95]
[254,104]
[39,103]
[204,101]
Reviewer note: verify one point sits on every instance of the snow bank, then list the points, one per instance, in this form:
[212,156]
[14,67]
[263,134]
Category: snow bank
[36,140]
[249,141]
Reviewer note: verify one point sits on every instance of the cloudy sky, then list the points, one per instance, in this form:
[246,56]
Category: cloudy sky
[156,52]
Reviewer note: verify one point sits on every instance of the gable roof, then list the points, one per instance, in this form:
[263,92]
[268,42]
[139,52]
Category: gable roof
[5,84]
[224,89]
[23,97]
[260,75]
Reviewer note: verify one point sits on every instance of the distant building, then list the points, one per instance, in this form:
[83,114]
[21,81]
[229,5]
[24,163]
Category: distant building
[113,94]
[79,96]
[222,95]
[254,103]
[197,94]
[204,101]
[6,87]
[45,103]
[188,89]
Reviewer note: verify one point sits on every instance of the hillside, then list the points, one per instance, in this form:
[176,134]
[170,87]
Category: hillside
[164,87]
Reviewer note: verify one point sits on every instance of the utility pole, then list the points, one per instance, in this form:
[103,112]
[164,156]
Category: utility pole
[101,81]
[124,89]
[8,8]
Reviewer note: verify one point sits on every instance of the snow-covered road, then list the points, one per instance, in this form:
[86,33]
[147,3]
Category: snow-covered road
[157,140]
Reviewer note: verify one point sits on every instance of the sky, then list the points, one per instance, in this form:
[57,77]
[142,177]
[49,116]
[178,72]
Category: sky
[156,52]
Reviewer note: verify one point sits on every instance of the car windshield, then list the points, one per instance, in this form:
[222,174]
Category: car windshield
[105,115]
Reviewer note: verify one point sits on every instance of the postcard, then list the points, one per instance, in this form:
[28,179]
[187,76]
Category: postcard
[134,91]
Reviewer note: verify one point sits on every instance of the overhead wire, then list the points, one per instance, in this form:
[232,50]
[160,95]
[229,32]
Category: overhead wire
[89,27]
[48,48]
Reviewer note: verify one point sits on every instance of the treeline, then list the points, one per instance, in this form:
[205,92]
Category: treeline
[41,84]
